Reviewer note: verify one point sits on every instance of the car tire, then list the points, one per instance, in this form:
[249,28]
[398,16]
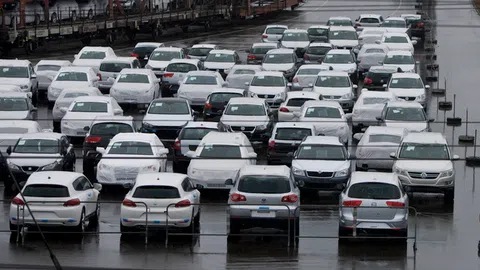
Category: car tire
[50,104]
[342,233]
[294,230]
[95,219]
[56,126]
[196,222]
[35,98]
[449,196]
[81,227]
[126,231]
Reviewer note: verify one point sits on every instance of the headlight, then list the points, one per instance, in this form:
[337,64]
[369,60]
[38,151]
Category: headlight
[342,173]
[13,166]
[49,167]
[352,70]
[399,171]
[253,95]
[261,127]
[298,171]
[55,91]
[151,168]
[448,173]
[103,167]
[347,96]
[148,66]
[147,125]
[24,87]
[420,98]
[280,96]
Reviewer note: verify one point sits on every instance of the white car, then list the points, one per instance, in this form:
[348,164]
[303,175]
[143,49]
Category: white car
[46,71]
[69,200]
[221,61]
[66,98]
[295,39]
[336,86]
[143,51]
[328,118]
[368,107]
[372,31]
[273,33]
[161,57]
[269,85]
[396,25]
[293,102]
[129,154]
[10,88]
[284,60]
[367,39]
[197,85]
[136,86]
[409,115]
[218,157]
[409,87]
[83,110]
[64,10]
[21,73]
[241,74]
[90,56]
[375,145]
[17,106]
[368,20]
[71,77]
[343,37]
[306,75]
[342,60]
[402,60]
[200,51]
[370,55]
[339,21]
[111,67]
[91,8]
[161,196]
[398,42]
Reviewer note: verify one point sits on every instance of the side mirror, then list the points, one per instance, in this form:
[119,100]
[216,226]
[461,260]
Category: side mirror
[348,116]
[97,186]
[163,151]
[456,157]
[101,150]
[225,84]
[358,136]
[354,86]
[289,84]
[63,110]
[252,155]
[414,42]
[379,118]
[247,50]
[128,185]
[75,56]
[393,155]
[190,154]
[300,183]
[9,150]
[427,86]
[384,86]
[229,182]
[378,42]
[29,94]
[86,128]
[310,85]
[179,82]
[247,84]
[118,111]
[34,76]
[380,62]
[431,120]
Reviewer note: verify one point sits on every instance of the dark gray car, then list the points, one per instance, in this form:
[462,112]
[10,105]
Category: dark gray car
[316,52]
[258,51]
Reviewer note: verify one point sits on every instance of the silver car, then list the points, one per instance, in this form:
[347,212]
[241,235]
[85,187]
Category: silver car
[370,55]
[175,73]
[306,75]
[197,85]
[201,51]
[379,202]
[241,74]
[110,68]
[271,86]
[266,197]
[273,33]
[46,71]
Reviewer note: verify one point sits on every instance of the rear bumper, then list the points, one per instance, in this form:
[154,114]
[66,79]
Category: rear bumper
[249,223]
[139,223]
[279,158]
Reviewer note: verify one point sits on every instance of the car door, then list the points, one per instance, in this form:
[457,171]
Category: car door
[89,194]
[191,193]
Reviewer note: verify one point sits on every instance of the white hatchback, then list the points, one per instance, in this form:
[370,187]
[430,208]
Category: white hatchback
[135,86]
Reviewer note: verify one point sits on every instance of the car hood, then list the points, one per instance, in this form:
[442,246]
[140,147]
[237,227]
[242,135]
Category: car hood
[242,120]
[238,81]
[158,64]
[127,161]
[68,84]
[15,81]
[95,63]
[131,86]
[405,68]
[295,44]
[321,165]
[266,90]
[277,67]
[396,30]
[407,92]
[80,120]
[167,119]
[341,67]
[343,43]
[27,159]
[218,65]
[14,115]
[424,165]
[332,91]
[410,126]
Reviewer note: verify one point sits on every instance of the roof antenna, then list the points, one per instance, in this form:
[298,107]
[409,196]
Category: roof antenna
[330,68]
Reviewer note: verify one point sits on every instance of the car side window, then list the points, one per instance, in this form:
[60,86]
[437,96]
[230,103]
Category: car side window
[186,185]
[31,70]
[77,185]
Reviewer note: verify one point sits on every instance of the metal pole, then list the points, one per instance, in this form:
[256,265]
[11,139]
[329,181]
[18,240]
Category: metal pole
[466,121]
[18,224]
[475,145]
[354,234]
[288,234]
[146,225]
[454,102]
[166,226]
[23,223]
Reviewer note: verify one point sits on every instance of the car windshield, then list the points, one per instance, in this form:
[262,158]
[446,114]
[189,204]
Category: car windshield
[405,114]
[13,72]
[164,55]
[131,148]
[399,60]
[195,134]
[46,191]
[156,192]
[322,152]
[369,20]
[199,51]
[374,50]
[267,184]
[169,107]
[113,67]
[317,31]
[13,130]
[13,104]
[343,35]
[318,50]
[220,57]
[292,134]
[394,24]
[332,81]
[48,68]
[375,191]
[309,71]
[73,95]
[273,81]
[278,58]
[413,20]
[395,39]
[297,102]
[72,76]
[144,49]
[219,151]
[223,97]
[384,138]
[203,80]
[339,59]
[379,76]
[245,109]
[261,50]
[181,67]
[244,72]
[93,55]
[339,22]
[370,39]
[110,129]
[295,37]
[90,107]
[275,30]
[133,78]
[424,151]
[323,112]
[406,83]
[34,146]
[374,100]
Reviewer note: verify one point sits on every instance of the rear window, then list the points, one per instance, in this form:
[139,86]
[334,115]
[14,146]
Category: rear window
[131,148]
[244,72]
[318,50]
[275,30]
[207,80]
[48,191]
[144,49]
[100,107]
[92,55]
[199,51]
[113,67]
[110,129]
[261,50]
[297,102]
[375,100]
[181,67]
[293,134]
[378,191]
[374,51]
[72,76]
[133,78]
[223,97]
[264,184]
[309,71]
[156,192]
[379,76]
[369,20]
[75,95]
[48,68]
[323,112]
[164,55]
[376,138]
[318,31]
[169,107]
[220,151]
[195,133]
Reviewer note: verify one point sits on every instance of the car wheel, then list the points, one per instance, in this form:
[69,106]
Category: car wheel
[56,126]
[234,229]
[50,104]
[342,233]
[126,231]
[54,18]
[14,230]
[94,220]
[294,230]
[35,98]
[82,225]
[196,222]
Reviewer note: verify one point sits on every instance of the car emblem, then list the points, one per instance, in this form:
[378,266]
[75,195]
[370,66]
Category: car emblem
[381,81]
[242,128]
[293,144]
[29,168]
[319,172]
[423,175]
[264,200]
[374,204]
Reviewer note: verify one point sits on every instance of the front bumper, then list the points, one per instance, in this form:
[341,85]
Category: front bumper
[314,183]
[438,185]
[132,98]
[279,158]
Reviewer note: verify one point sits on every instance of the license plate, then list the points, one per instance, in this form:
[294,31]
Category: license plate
[371,225]
[81,133]
[215,185]
[263,214]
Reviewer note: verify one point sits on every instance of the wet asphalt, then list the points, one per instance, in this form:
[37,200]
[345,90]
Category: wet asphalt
[447,235]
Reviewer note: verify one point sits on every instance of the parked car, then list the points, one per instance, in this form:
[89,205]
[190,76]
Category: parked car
[110,68]
[46,70]
[143,51]
[71,77]
[273,33]
[285,139]
[217,100]
[17,106]
[257,52]
[136,86]
[21,73]
[241,74]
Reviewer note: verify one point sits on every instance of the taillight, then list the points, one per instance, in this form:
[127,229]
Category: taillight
[367,81]
[129,203]
[295,80]
[283,109]
[353,203]
[208,106]
[264,36]
[168,75]
[134,55]
[420,25]
[395,204]
[17,201]
[93,139]
[188,57]
[235,197]
[99,76]
[292,198]
[306,57]
[177,145]
[72,202]
[251,56]
[357,25]
[271,144]
[184,203]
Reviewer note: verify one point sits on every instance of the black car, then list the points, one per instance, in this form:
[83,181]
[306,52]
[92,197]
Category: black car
[217,100]
[99,134]
[376,77]
[143,50]
[258,51]
[417,26]
[316,52]
[318,33]
[285,140]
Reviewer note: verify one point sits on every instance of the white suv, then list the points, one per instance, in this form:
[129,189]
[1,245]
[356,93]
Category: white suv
[424,164]
[21,73]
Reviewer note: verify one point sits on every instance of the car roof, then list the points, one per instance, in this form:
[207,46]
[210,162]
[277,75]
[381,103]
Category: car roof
[295,30]
[280,170]
[228,90]
[247,100]
[19,123]
[94,99]
[222,51]
[425,137]
[148,44]
[399,53]
[321,103]
[42,135]
[113,119]
[204,45]
[238,138]
[249,67]
[167,49]
[299,94]
[201,124]
[96,48]
[139,137]
[75,69]
[294,124]
[383,68]
[264,44]
[329,140]
[53,62]
[377,177]
[269,73]
[313,66]
[339,18]
[14,94]
[160,179]
[14,62]
[53,177]
[379,94]
[339,51]
[392,34]
[276,25]
[189,61]
[332,73]
[320,44]
[404,104]
[319,26]
[370,15]
[281,51]
[120,59]
[385,130]
[145,71]
[342,28]
[202,73]
[395,19]
[406,75]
